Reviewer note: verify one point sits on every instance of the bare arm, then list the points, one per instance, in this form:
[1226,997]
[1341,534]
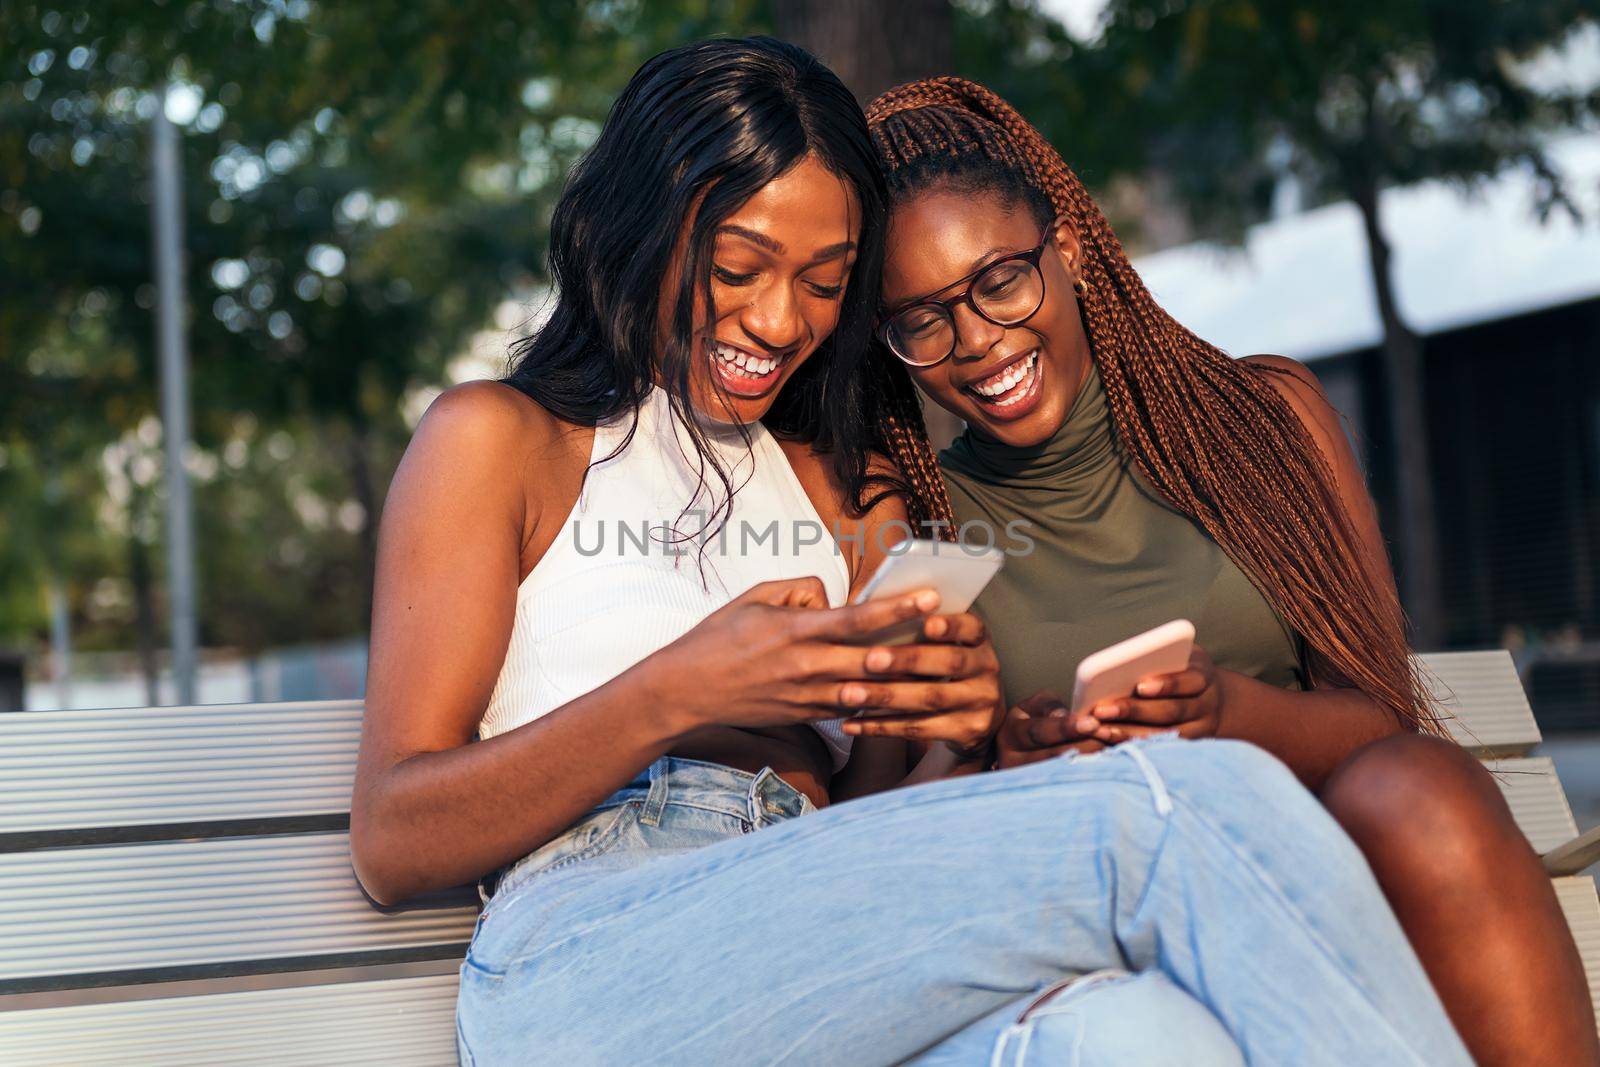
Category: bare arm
[431,810]
[1314,731]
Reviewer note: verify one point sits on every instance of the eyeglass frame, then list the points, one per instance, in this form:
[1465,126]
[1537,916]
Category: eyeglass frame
[948,307]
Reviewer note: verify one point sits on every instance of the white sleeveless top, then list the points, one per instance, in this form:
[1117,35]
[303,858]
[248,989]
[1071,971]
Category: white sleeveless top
[617,583]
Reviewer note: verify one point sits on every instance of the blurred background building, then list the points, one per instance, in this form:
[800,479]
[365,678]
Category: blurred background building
[1509,316]
[1404,194]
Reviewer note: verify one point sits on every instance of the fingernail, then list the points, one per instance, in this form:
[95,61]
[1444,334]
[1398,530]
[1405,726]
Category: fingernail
[927,600]
[1108,711]
[1058,713]
[1149,689]
[853,694]
[851,728]
[879,659]
[937,626]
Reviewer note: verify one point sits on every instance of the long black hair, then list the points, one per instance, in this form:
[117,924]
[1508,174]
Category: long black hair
[699,130]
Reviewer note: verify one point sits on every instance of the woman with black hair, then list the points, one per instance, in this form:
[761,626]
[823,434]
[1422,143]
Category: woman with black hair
[610,641]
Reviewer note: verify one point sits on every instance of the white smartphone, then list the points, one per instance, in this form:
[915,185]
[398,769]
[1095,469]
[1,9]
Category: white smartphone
[956,572]
[1113,672]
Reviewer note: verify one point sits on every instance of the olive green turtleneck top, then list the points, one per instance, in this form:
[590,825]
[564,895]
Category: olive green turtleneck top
[1110,559]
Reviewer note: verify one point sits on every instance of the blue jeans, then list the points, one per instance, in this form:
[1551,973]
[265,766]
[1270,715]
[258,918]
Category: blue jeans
[923,922]
[1109,1017]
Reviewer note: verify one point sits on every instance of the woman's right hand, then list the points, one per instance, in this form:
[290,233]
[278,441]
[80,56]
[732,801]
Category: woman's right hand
[777,655]
[1040,728]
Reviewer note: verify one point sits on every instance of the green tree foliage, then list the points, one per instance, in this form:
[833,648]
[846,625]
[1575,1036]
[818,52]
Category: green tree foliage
[364,183]
[1233,93]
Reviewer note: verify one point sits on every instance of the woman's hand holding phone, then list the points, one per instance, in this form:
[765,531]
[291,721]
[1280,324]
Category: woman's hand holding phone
[776,655]
[779,655]
[1189,701]
[1040,728]
[944,688]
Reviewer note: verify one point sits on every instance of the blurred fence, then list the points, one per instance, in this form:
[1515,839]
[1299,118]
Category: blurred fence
[333,671]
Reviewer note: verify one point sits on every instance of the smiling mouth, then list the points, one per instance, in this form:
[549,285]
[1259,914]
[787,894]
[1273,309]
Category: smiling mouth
[1008,386]
[744,373]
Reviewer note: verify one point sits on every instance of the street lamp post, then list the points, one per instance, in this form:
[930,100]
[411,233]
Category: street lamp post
[166,211]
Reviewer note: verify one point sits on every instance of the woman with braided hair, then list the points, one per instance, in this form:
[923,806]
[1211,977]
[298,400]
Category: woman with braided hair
[1162,479]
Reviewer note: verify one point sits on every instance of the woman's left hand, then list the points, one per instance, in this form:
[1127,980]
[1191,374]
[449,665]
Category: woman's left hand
[1189,701]
[964,700]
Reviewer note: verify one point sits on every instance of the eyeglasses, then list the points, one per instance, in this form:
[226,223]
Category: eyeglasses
[1006,292]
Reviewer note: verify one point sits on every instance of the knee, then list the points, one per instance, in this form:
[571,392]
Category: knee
[1416,801]
[1244,762]
[1242,787]
[1232,772]
[1118,1019]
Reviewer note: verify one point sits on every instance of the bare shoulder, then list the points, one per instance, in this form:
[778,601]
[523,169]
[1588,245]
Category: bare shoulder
[489,423]
[485,449]
[482,414]
[1322,421]
[1297,385]
[1291,377]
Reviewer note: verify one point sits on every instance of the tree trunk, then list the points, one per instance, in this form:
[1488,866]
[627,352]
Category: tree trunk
[870,44]
[873,46]
[1402,361]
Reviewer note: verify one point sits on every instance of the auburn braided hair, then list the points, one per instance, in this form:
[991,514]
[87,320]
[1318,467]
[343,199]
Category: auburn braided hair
[1211,434]
[901,435]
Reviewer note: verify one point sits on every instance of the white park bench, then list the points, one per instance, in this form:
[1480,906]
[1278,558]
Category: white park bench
[175,884]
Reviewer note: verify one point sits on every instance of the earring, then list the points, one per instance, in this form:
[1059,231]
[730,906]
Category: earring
[1080,287]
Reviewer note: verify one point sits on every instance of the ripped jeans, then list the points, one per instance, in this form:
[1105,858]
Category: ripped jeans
[694,918]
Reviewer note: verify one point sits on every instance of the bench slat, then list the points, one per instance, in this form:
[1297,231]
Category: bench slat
[107,769]
[1490,712]
[1536,799]
[1582,908]
[404,1021]
[70,913]
[1576,855]
[101,770]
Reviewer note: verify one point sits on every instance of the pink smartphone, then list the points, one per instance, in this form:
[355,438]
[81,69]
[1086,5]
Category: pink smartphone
[1113,672]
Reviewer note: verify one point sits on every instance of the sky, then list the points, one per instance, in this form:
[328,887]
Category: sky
[1578,64]
[1082,17]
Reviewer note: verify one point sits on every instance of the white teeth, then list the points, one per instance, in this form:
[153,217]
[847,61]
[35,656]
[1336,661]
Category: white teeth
[737,361]
[998,385]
